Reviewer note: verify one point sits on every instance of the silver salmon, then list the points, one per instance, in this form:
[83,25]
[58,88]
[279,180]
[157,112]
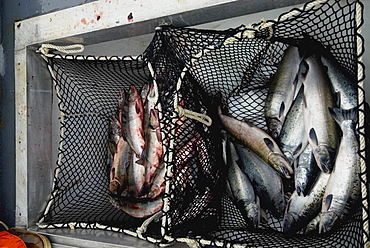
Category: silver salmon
[152,155]
[240,188]
[132,121]
[267,182]
[305,171]
[320,127]
[343,189]
[119,168]
[282,90]
[302,209]
[258,141]
[293,139]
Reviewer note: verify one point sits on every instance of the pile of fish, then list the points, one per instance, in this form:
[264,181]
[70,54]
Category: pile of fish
[137,176]
[311,117]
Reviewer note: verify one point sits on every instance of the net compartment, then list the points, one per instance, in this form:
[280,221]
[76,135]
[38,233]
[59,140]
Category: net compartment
[234,70]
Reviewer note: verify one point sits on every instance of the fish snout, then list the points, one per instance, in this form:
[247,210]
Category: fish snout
[327,221]
[288,222]
[114,186]
[324,158]
[274,125]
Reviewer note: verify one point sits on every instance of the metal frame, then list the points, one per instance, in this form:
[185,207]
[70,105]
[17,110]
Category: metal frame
[88,24]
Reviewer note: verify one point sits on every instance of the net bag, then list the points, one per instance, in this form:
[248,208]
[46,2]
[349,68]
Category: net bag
[195,72]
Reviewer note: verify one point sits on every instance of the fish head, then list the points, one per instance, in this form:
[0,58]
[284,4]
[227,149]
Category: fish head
[324,156]
[327,221]
[252,214]
[289,221]
[281,163]
[279,205]
[274,126]
[301,188]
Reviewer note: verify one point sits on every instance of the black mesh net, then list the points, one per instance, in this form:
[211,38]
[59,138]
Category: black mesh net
[216,68]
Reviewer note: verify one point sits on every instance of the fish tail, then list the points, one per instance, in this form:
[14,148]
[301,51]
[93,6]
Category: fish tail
[341,115]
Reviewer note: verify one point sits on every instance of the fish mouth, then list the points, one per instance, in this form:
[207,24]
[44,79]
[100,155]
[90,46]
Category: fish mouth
[324,158]
[274,125]
[327,221]
[288,222]
[132,199]
[283,165]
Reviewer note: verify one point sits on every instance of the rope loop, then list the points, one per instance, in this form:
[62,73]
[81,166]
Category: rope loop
[205,119]
[74,48]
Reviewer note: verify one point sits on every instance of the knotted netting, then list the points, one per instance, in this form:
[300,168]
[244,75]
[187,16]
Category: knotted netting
[196,71]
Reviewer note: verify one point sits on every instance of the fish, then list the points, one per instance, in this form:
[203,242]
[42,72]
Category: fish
[320,127]
[305,171]
[282,90]
[158,182]
[266,181]
[240,189]
[293,139]
[115,125]
[313,225]
[343,190]
[343,84]
[119,169]
[300,210]
[258,141]
[139,209]
[132,121]
[136,177]
[150,101]
[152,155]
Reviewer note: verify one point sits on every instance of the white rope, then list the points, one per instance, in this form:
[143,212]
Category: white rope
[74,48]
[4,225]
[360,74]
[192,243]
[142,229]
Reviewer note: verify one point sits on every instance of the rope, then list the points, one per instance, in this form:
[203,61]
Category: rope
[192,243]
[142,229]
[360,74]
[75,48]
[205,119]
[4,225]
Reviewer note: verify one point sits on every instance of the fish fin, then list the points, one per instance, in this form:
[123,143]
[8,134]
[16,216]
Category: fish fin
[269,144]
[159,135]
[297,150]
[137,108]
[313,136]
[303,70]
[328,201]
[304,101]
[282,109]
[338,97]
[341,115]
